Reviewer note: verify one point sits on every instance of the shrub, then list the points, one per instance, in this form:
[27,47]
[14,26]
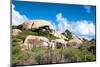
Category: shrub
[34,56]
[26,58]
[46,34]
[40,55]
[72,54]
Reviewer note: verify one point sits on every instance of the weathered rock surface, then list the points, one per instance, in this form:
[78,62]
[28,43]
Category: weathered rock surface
[38,41]
[35,24]
[16,32]
[58,43]
[35,41]
[58,35]
[75,43]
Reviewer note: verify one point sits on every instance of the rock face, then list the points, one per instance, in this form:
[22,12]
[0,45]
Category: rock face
[16,32]
[34,41]
[58,43]
[40,41]
[66,39]
[58,35]
[75,43]
[35,24]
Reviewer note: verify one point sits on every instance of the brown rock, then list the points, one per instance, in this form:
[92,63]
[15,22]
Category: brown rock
[75,43]
[16,32]
[35,41]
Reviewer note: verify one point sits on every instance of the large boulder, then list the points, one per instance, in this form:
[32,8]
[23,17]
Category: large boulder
[58,35]
[35,24]
[35,41]
[75,43]
[16,32]
[58,43]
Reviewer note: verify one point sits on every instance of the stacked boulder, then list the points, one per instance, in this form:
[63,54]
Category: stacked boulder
[36,24]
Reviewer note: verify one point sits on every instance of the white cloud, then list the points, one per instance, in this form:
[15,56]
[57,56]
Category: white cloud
[87,8]
[82,28]
[17,18]
[62,23]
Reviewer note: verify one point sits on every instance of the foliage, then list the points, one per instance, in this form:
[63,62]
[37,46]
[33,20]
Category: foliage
[76,55]
[15,49]
[40,55]
[46,34]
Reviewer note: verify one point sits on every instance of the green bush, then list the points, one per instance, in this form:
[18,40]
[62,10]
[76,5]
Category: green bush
[24,34]
[40,55]
[34,56]
[46,34]
[76,55]
[72,54]
[26,58]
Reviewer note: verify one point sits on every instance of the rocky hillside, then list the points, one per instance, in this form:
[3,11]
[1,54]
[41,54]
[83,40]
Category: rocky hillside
[35,36]
[44,28]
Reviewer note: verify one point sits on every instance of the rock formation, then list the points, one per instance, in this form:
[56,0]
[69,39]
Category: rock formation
[16,32]
[58,43]
[58,35]
[66,38]
[35,24]
[75,43]
[34,41]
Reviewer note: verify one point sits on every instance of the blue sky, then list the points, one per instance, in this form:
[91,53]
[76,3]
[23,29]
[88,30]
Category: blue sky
[62,16]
